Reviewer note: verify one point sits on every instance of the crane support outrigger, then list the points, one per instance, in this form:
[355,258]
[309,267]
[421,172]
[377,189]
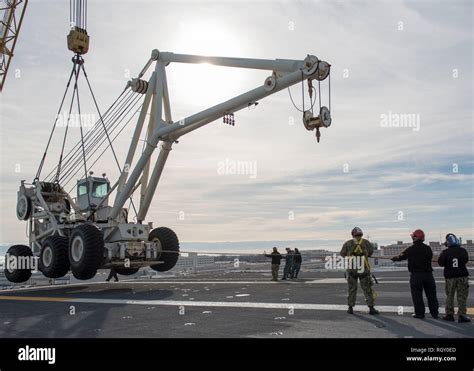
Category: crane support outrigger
[85,234]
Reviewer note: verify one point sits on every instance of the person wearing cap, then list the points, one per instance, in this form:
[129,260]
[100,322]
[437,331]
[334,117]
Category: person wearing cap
[454,260]
[419,257]
[362,248]
[276,259]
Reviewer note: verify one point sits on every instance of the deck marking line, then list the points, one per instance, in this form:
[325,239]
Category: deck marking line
[222,304]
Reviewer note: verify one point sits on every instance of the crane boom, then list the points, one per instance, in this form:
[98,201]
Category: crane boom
[285,73]
[13,13]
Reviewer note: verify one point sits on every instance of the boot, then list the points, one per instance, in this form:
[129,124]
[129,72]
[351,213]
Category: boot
[449,317]
[463,319]
[350,310]
[419,316]
[372,310]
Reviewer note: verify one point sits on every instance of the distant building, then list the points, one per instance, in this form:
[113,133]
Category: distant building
[316,255]
[377,253]
[205,260]
[469,246]
[319,253]
[436,247]
[393,249]
[193,260]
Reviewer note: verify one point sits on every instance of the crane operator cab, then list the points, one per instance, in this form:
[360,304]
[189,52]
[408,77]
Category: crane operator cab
[92,194]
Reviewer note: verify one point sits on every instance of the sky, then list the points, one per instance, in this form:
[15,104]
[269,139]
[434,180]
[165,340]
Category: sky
[388,58]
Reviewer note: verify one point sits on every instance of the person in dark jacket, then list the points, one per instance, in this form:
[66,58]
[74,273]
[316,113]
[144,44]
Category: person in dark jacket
[454,260]
[112,274]
[419,257]
[276,259]
[297,260]
[288,263]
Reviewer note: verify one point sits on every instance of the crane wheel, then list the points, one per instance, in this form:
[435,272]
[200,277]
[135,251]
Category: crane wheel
[169,246]
[126,271]
[18,275]
[23,207]
[54,259]
[86,251]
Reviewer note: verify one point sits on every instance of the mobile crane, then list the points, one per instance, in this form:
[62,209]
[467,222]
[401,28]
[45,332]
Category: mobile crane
[85,233]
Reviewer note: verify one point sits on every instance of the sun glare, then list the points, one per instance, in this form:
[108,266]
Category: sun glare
[202,85]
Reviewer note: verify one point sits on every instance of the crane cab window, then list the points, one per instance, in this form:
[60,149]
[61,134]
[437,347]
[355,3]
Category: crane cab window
[100,189]
[82,189]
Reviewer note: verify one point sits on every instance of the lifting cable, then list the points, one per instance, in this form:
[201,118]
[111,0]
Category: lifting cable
[329,89]
[76,159]
[97,143]
[100,117]
[76,74]
[76,148]
[101,154]
[77,156]
[319,93]
[90,139]
[99,139]
[69,165]
[329,83]
[80,127]
[78,13]
[40,167]
[302,95]
[311,89]
[104,150]
[70,176]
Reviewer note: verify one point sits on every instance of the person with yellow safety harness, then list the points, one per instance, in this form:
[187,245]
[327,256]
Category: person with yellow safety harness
[359,249]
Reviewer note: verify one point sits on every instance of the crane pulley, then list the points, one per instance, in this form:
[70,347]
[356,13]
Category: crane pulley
[323,119]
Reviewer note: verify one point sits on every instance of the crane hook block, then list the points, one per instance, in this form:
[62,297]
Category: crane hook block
[78,40]
[323,120]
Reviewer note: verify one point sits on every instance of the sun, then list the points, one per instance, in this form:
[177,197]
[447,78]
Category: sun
[202,85]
